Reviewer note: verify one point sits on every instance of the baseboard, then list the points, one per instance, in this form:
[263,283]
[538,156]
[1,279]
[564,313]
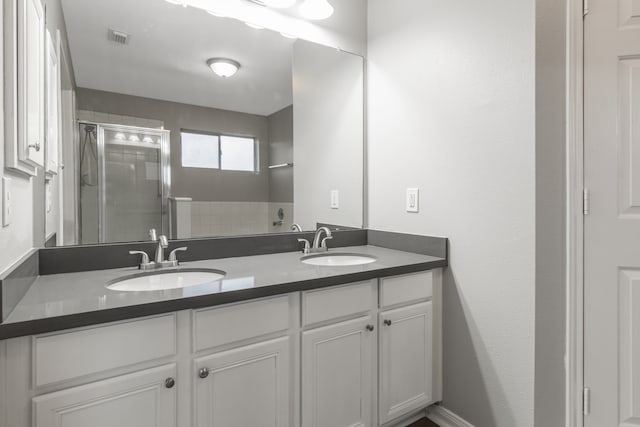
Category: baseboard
[407,420]
[445,418]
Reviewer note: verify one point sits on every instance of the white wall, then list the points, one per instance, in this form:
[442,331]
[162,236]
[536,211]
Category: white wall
[328,99]
[17,239]
[451,111]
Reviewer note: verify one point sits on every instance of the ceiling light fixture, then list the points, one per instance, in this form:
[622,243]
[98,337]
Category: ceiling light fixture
[254,26]
[216,13]
[223,67]
[279,4]
[316,9]
[182,3]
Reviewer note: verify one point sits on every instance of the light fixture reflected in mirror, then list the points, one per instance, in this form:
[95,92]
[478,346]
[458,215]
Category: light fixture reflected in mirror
[316,9]
[279,4]
[223,67]
[254,26]
[182,3]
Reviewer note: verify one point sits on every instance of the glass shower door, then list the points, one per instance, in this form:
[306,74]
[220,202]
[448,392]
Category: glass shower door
[134,182]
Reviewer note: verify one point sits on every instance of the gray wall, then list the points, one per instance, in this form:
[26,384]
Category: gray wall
[281,151]
[451,110]
[550,213]
[200,184]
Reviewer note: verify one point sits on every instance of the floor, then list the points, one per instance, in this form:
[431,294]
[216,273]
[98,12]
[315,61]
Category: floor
[424,423]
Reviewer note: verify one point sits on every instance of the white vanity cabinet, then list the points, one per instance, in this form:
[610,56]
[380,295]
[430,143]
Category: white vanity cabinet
[244,368]
[338,358]
[410,343]
[406,348]
[363,354]
[246,386]
[141,399]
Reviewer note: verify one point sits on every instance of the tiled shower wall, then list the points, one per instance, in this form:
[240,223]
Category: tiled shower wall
[233,218]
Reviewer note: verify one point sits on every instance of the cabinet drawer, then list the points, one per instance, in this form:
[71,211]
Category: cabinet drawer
[89,351]
[406,288]
[326,304]
[225,325]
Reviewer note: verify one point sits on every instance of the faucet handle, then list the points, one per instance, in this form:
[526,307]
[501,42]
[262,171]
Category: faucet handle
[153,234]
[172,255]
[307,245]
[323,245]
[145,256]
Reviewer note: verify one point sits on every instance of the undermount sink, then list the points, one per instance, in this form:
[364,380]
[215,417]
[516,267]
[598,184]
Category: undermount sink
[337,259]
[164,280]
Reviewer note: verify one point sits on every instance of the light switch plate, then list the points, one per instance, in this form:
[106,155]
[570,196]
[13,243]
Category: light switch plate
[335,199]
[413,202]
[6,201]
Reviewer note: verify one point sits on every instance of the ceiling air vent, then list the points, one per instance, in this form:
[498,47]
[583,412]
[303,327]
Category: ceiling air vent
[119,37]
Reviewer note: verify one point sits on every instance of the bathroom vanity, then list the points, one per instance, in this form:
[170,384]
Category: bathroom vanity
[276,342]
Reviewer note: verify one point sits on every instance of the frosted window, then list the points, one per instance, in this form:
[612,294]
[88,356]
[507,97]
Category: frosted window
[200,151]
[238,154]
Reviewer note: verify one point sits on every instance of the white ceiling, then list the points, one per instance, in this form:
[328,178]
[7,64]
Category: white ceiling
[166,56]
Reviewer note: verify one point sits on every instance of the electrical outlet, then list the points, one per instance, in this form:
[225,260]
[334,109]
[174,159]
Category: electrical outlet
[413,202]
[335,199]
[6,201]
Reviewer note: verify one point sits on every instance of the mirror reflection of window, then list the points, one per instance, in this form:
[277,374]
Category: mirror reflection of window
[200,150]
[238,153]
[224,152]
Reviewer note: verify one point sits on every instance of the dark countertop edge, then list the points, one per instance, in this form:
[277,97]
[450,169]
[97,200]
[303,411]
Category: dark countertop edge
[59,323]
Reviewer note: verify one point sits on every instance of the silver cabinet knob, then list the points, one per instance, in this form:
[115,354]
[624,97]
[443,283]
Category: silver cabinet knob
[203,373]
[169,382]
[35,145]
[370,328]
[387,322]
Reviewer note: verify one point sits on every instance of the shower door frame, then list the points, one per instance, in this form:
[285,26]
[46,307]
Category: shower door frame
[165,173]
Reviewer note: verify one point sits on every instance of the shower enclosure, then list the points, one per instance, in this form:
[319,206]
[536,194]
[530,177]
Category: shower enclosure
[124,182]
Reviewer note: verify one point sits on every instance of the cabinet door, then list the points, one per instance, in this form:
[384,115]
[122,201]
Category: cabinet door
[31,58]
[142,399]
[337,368]
[405,360]
[246,386]
[53,102]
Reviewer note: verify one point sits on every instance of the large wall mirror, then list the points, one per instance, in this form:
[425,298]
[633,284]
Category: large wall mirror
[199,125]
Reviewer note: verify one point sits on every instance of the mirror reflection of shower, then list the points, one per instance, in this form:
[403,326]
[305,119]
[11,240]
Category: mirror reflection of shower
[124,182]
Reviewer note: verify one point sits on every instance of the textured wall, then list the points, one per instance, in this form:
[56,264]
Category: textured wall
[451,110]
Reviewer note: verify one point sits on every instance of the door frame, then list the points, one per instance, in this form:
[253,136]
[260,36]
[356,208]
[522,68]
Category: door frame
[574,345]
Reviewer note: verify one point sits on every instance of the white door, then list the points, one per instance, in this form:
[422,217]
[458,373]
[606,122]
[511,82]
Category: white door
[247,386]
[337,368]
[31,57]
[406,348]
[142,399]
[612,228]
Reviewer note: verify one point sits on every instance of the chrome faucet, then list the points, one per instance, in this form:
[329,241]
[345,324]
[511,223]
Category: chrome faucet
[321,245]
[159,261]
[162,245]
[318,244]
[296,227]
